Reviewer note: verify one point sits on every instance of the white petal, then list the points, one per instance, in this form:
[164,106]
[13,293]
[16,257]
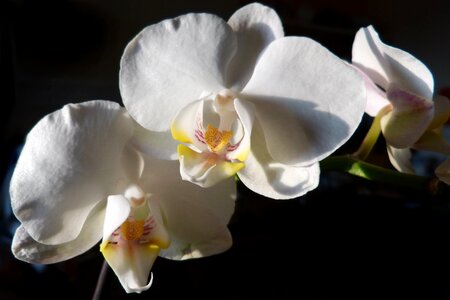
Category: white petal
[400,159]
[433,141]
[408,120]
[368,56]
[376,98]
[256,26]
[71,161]
[196,217]
[443,171]
[308,101]
[385,64]
[187,126]
[194,229]
[162,179]
[160,145]
[171,63]
[159,235]
[275,180]
[117,211]
[245,111]
[27,249]
[211,244]
[132,264]
[441,112]
[133,165]
[434,138]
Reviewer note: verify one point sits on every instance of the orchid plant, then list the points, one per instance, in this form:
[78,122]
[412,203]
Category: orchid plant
[208,101]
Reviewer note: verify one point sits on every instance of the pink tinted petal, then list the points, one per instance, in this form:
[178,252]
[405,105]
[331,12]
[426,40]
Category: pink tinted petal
[408,120]
[376,98]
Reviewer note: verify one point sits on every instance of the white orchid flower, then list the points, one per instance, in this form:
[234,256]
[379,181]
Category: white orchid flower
[79,180]
[242,98]
[400,88]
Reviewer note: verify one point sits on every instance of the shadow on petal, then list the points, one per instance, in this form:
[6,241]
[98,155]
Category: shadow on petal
[272,179]
[299,132]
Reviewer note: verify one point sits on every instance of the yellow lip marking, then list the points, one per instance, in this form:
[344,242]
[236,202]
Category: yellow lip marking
[216,139]
[132,230]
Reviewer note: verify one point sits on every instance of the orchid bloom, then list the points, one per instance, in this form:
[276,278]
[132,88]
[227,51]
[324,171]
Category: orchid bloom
[241,98]
[400,91]
[79,180]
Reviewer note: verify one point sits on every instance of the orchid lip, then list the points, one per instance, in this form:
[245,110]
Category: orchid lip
[140,226]
[212,134]
[133,235]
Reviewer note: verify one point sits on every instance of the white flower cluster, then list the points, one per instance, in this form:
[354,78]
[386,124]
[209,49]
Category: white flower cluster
[205,100]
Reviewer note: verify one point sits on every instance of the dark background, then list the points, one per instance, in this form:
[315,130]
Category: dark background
[348,239]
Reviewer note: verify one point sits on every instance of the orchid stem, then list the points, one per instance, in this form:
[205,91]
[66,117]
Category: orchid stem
[369,171]
[100,281]
[369,140]
[371,137]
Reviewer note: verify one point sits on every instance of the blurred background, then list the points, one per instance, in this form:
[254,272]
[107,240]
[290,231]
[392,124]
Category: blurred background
[347,239]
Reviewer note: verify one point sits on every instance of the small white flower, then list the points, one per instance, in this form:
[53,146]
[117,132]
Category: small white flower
[79,179]
[242,98]
[401,88]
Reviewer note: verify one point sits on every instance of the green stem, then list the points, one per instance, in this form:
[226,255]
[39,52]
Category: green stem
[372,136]
[365,170]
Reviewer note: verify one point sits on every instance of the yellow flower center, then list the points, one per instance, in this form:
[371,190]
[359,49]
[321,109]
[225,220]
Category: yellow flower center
[216,139]
[132,230]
